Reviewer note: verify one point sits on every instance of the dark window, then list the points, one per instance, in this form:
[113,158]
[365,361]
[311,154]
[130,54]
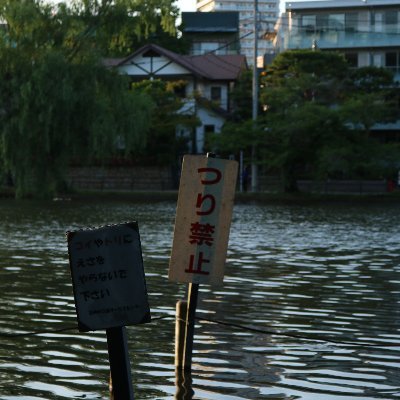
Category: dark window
[352,59]
[391,17]
[151,53]
[215,93]
[180,91]
[351,22]
[391,59]
[308,23]
[322,23]
[208,132]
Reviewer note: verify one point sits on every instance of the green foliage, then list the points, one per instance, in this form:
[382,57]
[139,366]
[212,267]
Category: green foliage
[162,145]
[242,96]
[369,98]
[57,103]
[67,112]
[119,27]
[318,117]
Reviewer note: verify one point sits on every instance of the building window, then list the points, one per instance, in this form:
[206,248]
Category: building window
[351,22]
[216,93]
[392,60]
[308,23]
[336,22]
[391,21]
[352,59]
[180,91]
[391,17]
[150,54]
[377,60]
[209,129]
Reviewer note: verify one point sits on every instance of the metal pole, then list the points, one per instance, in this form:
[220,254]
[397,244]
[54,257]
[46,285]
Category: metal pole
[241,170]
[254,177]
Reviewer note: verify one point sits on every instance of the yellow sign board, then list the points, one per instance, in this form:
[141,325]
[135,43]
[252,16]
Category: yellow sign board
[203,218]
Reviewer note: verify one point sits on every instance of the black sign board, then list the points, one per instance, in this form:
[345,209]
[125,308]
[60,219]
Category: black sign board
[108,277]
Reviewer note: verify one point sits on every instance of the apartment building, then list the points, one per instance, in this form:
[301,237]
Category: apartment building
[367,32]
[268,11]
[216,32]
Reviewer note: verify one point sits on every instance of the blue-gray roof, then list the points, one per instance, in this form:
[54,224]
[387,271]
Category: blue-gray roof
[216,21]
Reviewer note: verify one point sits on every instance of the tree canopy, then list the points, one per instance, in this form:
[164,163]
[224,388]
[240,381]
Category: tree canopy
[316,116]
[58,103]
[163,146]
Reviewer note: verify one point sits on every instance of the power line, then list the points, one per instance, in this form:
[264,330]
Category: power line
[297,336]
[223,323]
[60,330]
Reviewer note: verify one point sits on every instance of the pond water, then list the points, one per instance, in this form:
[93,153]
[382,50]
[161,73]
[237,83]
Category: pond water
[310,305]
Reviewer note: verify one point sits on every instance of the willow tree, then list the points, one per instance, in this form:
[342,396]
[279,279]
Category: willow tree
[118,27]
[58,103]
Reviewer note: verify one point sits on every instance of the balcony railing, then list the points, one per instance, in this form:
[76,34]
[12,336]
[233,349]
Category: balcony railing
[331,39]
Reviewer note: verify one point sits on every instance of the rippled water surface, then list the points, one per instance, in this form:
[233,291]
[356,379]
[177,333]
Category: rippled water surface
[311,302]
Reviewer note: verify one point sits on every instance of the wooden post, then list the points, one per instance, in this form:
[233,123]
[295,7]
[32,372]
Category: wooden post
[183,384]
[180,332]
[110,387]
[190,321]
[122,388]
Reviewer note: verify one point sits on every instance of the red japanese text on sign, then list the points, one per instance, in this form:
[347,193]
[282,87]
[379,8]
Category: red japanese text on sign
[201,233]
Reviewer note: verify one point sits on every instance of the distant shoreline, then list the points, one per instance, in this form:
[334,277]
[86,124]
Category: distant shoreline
[299,198]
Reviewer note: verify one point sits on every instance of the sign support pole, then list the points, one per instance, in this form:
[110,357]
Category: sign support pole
[119,364]
[190,321]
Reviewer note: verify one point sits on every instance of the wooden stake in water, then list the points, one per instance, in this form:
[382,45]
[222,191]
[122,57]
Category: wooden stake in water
[180,332]
[121,378]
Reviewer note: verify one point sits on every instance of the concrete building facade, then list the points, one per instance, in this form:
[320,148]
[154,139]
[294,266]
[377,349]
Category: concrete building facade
[268,11]
[367,32]
[216,32]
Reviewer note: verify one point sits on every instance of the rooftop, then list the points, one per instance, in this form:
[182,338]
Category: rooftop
[334,4]
[209,66]
[217,21]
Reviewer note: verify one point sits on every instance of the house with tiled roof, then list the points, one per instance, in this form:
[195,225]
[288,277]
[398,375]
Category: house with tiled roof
[208,81]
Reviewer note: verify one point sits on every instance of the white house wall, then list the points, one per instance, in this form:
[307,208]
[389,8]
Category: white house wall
[207,117]
[204,89]
[143,66]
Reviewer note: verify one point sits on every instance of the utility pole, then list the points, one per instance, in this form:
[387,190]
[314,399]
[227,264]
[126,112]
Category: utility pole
[254,170]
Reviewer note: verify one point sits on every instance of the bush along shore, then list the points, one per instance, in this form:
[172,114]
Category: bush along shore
[297,198]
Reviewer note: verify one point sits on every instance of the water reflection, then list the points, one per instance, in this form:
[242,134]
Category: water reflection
[314,272]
